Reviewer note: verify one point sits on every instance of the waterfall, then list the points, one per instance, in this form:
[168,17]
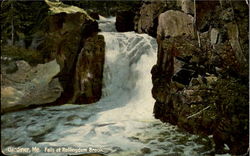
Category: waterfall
[129,58]
[107,24]
[121,123]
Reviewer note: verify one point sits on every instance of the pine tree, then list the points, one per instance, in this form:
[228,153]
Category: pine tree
[20,19]
[9,20]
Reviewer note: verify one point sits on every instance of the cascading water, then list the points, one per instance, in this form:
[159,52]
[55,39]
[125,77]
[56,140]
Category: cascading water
[121,123]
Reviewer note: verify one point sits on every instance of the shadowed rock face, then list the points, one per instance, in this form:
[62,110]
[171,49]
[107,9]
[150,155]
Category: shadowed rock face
[63,41]
[89,71]
[201,84]
[69,37]
[125,21]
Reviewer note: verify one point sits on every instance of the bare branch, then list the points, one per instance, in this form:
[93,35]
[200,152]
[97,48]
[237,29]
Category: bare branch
[198,112]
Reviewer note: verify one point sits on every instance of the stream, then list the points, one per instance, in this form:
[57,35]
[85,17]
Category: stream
[121,123]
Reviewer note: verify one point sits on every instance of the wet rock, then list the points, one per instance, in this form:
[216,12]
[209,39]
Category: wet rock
[30,86]
[125,21]
[161,139]
[94,15]
[147,18]
[89,69]
[146,150]
[11,67]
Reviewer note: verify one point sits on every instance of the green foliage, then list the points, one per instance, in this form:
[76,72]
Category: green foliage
[9,18]
[231,97]
[231,100]
[18,53]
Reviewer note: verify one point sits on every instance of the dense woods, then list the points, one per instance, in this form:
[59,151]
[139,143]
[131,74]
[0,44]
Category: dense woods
[20,20]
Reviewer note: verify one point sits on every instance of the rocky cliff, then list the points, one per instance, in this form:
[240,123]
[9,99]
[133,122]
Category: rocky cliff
[200,81]
[69,37]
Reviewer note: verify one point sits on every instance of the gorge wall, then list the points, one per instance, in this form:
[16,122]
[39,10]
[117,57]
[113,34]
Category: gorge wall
[73,41]
[200,81]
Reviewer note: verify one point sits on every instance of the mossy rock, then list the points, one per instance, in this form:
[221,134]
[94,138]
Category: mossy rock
[59,7]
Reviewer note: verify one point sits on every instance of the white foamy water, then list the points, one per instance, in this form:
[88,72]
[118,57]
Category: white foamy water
[107,24]
[121,123]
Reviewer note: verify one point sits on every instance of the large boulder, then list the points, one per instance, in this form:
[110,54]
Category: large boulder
[174,23]
[29,86]
[146,19]
[68,29]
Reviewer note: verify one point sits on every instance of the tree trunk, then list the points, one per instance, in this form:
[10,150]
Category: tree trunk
[197,34]
[12,25]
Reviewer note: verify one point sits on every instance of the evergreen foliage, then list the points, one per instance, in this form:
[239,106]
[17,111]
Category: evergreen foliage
[20,19]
